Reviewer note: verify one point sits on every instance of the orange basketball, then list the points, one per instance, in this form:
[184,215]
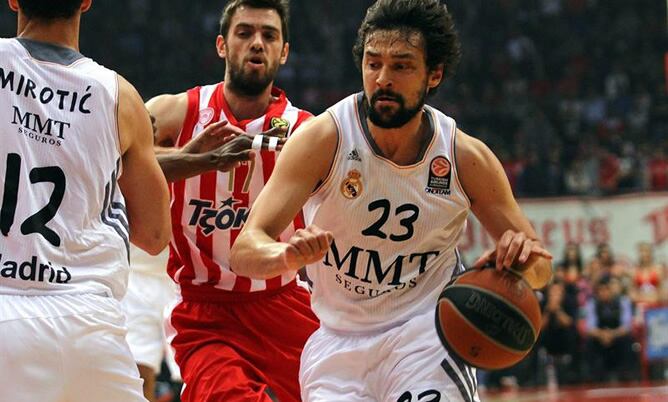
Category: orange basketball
[489,319]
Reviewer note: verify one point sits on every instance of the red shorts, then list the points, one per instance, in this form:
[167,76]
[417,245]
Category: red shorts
[232,351]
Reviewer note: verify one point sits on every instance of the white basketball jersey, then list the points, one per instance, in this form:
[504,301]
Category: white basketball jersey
[395,227]
[63,221]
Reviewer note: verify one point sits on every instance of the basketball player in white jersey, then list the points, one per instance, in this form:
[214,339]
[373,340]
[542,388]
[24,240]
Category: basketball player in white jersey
[386,197]
[234,337]
[79,181]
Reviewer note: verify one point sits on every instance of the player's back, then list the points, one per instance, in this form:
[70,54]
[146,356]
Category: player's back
[63,219]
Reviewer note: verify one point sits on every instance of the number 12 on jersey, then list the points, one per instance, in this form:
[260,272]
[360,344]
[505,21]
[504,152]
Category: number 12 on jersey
[36,223]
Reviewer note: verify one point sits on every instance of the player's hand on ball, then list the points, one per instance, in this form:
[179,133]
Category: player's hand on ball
[513,251]
[307,246]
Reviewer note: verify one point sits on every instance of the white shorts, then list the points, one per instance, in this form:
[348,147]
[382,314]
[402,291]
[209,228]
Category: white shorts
[403,364]
[65,348]
[145,304]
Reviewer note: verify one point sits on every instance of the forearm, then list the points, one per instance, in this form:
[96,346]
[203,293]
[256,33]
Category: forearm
[177,165]
[256,255]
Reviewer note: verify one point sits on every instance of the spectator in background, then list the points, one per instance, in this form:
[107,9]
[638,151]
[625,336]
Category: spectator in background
[608,329]
[570,270]
[559,334]
[647,278]
[658,170]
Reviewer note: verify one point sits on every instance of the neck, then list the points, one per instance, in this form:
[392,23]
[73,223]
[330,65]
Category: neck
[404,144]
[61,32]
[246,107]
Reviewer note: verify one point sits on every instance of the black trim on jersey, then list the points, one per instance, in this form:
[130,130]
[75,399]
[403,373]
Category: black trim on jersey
[467,373]
[372,142]
[106,214]
[43,51]
[450,371]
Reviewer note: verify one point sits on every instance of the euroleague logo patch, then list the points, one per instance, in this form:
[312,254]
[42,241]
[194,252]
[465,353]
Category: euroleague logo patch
[440,173]
[205,116]
[352,187]
[279,122]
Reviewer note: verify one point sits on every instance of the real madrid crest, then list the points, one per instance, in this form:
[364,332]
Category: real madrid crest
[351,187]
[279,122]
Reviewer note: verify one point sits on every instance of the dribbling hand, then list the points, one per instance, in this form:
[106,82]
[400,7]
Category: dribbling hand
[513,251]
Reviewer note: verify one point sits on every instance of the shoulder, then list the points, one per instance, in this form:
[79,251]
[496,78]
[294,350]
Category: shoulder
[164,102]
[128,97]
[471,152]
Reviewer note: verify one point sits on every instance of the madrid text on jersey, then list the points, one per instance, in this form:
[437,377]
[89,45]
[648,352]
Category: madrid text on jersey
[372,279]
[34,126]
[33,271]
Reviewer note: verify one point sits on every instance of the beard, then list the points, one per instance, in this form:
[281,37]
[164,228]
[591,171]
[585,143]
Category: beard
[388,117]
[250,83]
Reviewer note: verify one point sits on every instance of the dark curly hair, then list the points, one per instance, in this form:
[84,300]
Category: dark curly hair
[282,7]
[428,17]
[50,9]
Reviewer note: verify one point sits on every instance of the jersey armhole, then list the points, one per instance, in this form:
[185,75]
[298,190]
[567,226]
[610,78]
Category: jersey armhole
[191,118]
[118,126]
[335,158]
[454,159]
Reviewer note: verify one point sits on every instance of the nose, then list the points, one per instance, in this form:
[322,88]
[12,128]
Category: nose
[257,43]
[384,79]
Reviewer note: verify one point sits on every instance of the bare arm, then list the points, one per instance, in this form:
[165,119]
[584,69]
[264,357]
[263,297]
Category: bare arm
[143,185]
[298,170]
[494,205]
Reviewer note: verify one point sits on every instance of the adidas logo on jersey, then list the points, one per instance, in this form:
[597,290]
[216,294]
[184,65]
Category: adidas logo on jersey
[354,155]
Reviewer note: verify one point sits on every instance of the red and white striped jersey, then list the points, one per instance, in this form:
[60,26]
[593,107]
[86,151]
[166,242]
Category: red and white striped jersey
[208,211]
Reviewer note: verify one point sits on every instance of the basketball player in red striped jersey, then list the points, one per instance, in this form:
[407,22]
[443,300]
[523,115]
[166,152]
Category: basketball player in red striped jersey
[234,337]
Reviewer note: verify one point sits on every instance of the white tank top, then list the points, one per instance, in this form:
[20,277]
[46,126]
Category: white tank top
[63,222]
[395,227]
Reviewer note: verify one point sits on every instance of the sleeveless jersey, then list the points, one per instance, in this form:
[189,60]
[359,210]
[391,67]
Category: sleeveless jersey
[63,222]
[208,211]
[395,227]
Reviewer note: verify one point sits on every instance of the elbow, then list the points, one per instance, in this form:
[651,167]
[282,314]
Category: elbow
[154,242]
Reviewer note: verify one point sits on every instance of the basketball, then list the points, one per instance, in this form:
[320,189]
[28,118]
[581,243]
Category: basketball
[489,319]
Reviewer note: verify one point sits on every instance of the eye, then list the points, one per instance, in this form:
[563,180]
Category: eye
[271,36]
[243,34]
[374,65]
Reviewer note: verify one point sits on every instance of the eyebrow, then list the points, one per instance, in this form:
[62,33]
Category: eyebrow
[263,27]
[405,56]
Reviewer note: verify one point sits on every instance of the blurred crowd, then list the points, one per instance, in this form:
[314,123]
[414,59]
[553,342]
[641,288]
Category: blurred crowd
[593,309]
[570,94]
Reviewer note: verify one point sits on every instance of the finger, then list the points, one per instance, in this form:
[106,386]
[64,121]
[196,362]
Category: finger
[514,248]
[304,246]
[257,142]
[276,132]
[525,253]
[323,237]
[272,143]
[542,252]
[502,247]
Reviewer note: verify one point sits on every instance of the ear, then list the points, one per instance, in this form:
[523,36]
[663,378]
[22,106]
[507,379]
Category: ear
[220,46]
[14,5]
[284,53]
[435,76]
[85,5]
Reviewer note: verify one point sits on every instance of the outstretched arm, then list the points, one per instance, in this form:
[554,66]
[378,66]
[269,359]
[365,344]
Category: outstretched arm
[493,203]
[304,162]
[221,146]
